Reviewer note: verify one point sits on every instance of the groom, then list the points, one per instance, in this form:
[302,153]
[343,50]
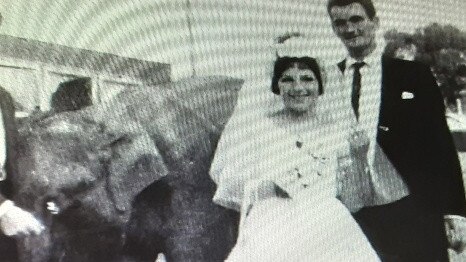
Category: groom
[410,129]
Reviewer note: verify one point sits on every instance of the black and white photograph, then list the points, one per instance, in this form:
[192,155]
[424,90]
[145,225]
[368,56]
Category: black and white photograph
[229,130]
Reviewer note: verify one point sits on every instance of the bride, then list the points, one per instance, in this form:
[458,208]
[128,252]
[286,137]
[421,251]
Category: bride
[280,174]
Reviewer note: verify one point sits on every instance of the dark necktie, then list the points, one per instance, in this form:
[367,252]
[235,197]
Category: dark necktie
[356,92]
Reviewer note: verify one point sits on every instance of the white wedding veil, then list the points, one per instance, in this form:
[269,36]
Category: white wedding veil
[255,102]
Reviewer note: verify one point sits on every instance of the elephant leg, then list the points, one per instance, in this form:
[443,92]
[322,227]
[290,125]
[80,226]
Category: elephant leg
[35,248]
[8,249]
[200,230]
[147,229]
[102,243]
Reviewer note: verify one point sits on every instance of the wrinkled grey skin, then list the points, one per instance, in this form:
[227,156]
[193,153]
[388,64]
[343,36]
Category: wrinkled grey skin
[90,176]
[127,180]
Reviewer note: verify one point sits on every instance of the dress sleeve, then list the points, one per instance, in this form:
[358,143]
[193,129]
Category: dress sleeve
[233,162]
[230,188]
[243,144]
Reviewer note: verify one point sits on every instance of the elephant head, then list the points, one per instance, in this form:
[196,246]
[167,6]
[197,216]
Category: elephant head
[80,178]
[83,170]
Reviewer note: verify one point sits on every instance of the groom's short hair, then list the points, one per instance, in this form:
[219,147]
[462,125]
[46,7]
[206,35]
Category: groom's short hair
[366,4]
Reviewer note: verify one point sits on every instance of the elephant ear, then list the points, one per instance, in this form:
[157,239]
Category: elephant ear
[135,164]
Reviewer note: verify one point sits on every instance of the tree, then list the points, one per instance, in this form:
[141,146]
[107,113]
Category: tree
[443,47]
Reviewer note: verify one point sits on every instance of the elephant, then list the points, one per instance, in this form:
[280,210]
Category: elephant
[128,179]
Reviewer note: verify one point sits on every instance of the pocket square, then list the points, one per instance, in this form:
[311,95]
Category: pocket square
[407,95]
[384,128]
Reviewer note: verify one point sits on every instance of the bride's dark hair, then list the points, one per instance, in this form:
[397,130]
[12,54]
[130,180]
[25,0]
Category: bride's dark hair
[284,63]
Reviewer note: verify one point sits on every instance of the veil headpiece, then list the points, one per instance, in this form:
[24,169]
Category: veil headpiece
[293,45]
[298,45]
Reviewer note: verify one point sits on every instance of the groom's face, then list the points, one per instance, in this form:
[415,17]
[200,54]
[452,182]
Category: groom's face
[354,27]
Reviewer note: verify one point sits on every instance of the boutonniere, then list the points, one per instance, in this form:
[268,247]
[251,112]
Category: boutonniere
[384,128]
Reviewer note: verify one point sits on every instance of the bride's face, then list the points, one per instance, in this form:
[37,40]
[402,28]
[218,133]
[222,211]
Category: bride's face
[299,89]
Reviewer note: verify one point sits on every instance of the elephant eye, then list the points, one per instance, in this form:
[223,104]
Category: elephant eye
[83,184]
[79,186]
[52,205]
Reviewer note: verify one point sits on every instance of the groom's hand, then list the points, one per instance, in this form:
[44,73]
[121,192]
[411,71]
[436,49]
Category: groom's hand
[358,142]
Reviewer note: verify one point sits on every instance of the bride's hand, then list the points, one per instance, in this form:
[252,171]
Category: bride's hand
[265,190]
[268,189]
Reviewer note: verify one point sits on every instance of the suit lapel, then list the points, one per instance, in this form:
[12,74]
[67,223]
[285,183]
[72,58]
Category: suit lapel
[387,104]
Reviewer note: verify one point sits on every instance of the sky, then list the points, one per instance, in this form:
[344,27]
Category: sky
[202,37]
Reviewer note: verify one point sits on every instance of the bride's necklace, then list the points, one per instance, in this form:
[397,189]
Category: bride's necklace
[299,137]
[299,143]
[298,127]
[300,132]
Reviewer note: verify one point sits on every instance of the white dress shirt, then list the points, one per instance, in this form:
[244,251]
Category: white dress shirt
[382,184]
[369,99]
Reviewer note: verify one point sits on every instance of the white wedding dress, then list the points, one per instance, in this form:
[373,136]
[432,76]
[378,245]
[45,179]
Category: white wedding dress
[311,225]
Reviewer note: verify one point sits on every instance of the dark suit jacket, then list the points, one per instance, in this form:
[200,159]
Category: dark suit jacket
[418,141]
[11,136]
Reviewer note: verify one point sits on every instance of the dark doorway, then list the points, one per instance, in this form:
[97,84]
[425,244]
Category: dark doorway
[72,95]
